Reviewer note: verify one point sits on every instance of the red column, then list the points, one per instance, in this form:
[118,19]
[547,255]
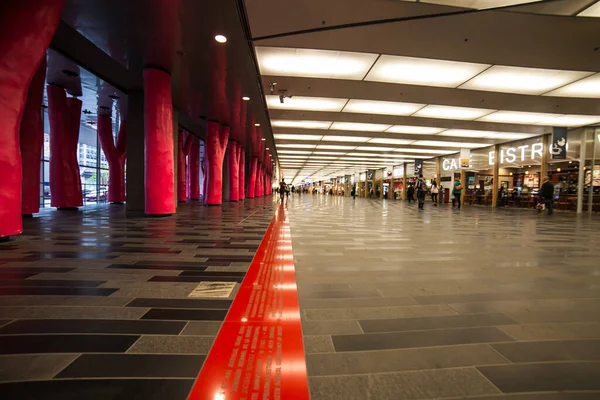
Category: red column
[216,144]
[241,173]
[194,168]
[64,116]
[258,191]
[158,143]
[115,156]
[252,180]
[32,140]
[184,143]
[27,28]
[233,162]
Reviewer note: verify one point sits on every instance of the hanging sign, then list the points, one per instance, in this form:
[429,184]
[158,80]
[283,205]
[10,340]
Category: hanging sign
[558,149]
[418,166]
[370,174]
[465,158]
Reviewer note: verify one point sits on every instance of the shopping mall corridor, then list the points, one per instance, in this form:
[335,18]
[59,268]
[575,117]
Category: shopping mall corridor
[398,303]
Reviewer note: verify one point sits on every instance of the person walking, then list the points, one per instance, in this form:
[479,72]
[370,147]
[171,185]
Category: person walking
[434,193]
[421,192]
[410,192]
[547,195]
[353,192]
[457,192]
[282,190]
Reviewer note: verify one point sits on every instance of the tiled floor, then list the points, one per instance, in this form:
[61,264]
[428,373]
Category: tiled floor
[399,303]
[95,306]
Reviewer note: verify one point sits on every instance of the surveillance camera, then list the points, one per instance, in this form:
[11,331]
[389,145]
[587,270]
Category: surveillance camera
[281,97]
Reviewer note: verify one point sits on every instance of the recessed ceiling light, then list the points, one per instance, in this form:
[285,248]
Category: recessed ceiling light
[306,103]
[507,135]
[314,63]
[417,130]
[297,146]
[257,124]
[588,87]
[449,144]
[517,117]
[448,112]
[422,71]
[390,141]
[245,98]
[522,80]
[285,136]
[331,138]
[332,153]
[571,120]
[355,126]
[281,123]
[263,139]
[381,107]
[220,38]
[334,147]
[464,133]
[373,148]
[591,11]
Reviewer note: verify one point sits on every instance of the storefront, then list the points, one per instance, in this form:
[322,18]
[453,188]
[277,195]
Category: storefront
[397,182]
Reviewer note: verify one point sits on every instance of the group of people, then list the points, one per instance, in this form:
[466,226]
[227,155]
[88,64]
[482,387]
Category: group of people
[421,189]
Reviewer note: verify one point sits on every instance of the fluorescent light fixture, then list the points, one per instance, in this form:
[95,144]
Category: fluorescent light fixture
[306,103]
[464,133]
[334,147]
[285,157]
[416,130]
[390,141]
[521,80]
[318,157]
[381,107]
[449,144]
[297,146]
[311,63]
[294,152]
[571,120]
[332,153]
[355,126]
[517,117]
[373,148]
[480,4]
[507,135]
[423,71]
[285,136]
[281,123]
[449,112]
[331,138]
[220,38]
[591,11]
[588,87]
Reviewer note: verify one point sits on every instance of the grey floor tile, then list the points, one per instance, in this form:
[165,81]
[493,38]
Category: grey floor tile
[33,367]
[172,344]
[377,313]
[330,327]
[451,321]
[318,344]
[404,385]
[337,294]
[535,317]
[554,331]
[202,328]
[71,312]
[565,350]
[367,362]
[306,303]
[63,301]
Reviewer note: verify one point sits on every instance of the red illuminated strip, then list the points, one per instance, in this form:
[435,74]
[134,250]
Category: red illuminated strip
[258,353]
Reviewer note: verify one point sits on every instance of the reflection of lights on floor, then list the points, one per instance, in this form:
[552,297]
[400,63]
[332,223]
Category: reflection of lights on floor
[244,319]
[219,396]
[284,257]
[286,286]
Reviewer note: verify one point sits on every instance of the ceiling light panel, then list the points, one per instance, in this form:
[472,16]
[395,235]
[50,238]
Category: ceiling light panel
[331,138]
[355,126]
[464,133]
[382,107]
[390,141]
[314,63]
[480,4]
[282,123]
[449,112]
[449,144]
[296,146]
[332,153]
[334,147]
[591,11]
[285,136]
[416,130]
[571,120]
[422,71]
[521,80]
[306,103]
[421,151]
[516,117]
[294,152]
[507,135]
[588,87]
[374,148]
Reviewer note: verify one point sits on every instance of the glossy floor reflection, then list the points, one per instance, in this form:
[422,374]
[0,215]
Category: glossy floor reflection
[94,305]
[399,303]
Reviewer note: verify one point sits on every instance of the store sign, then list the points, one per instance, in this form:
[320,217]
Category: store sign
[521,153]
[465,158]
[370,174]
[398,172]
[449,164]
[418,166]
[558,150]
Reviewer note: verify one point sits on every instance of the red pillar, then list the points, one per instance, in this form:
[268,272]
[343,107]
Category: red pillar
[194,168]
[64,116]
[158,143]
[258,191]
[216,144]
[32,140]
[241,173]
[252,180]
[233,162]
[27,28]
[115,156]
[184,144]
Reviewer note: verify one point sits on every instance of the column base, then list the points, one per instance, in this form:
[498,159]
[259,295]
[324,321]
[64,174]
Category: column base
[4,239]
[181,201]
[157,215]
[27,215]
[67,208]
[117,202]
[213,205]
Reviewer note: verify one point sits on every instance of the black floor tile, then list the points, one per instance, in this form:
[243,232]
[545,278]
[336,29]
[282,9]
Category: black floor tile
[98,389]
[34,270]
[195,279]
[564,350]
[50,283]
[72,254]
[400,340]
[181,303]
[185,315]
[212,259]
[93,326]
[424,323]
[212,273]
[145,250]
[134,366]
[544,377]
[7,274]
[55,291]
[30,344]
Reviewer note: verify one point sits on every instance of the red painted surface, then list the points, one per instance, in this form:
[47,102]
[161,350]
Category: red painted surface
[216,144]
[184,143]
[27,28]
[252,180]
[31,142]
[194,168]
[233,163]
[115,157]
[242,173]
[259,352]
[64,116]
[158,143]
[259,191]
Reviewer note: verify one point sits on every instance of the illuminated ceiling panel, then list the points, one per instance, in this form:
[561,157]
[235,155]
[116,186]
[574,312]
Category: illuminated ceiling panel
[588,87]
[285,136]
[480,4]
[591,11]
[448,112]
[571,120]
[314,63]
[516,117]
[354,126]
[306,103]
[449,144]
[416,130]
[358,139]
[282,123]
[382,107]
[423,71]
